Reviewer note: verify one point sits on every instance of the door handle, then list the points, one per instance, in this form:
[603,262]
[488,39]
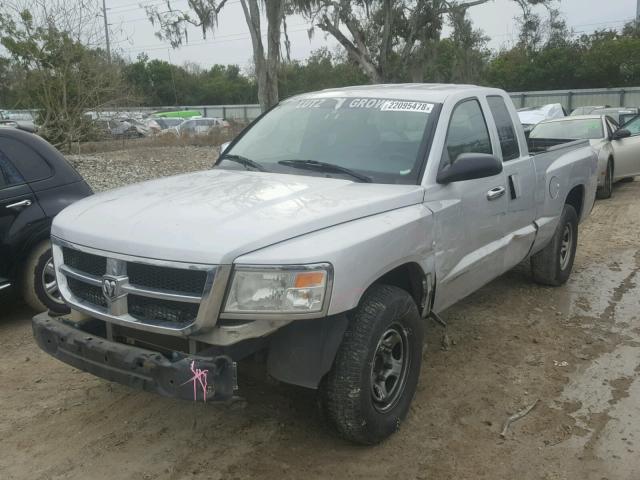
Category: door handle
[496,193]
[23,203]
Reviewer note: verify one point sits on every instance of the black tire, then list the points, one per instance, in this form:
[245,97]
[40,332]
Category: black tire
[605,191]
[385,314]
[37,276]
[627,179]
[553,264]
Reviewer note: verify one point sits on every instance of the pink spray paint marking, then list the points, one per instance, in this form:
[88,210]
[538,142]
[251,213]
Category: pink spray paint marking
[199,377]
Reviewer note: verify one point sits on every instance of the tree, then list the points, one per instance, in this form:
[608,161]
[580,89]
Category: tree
[159,83]
[173,24]
[386,37]
[322,69]
[54,46]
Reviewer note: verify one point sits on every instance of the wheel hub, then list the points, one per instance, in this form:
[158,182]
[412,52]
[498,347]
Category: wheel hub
[390,367]
[50,284]
[566,246]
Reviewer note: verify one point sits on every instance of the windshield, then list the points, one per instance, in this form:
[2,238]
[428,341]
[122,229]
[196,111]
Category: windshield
[588,128]
[378,138]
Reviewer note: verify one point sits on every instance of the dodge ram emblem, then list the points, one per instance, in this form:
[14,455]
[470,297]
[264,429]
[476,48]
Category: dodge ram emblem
[110,288]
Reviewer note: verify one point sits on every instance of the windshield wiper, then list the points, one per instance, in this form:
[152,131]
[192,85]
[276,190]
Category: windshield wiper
[324,167]
[244,161]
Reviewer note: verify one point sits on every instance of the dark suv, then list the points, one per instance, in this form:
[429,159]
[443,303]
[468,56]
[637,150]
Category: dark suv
[36,183]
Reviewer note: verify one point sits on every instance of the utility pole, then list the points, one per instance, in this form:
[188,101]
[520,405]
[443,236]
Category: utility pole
[106,27]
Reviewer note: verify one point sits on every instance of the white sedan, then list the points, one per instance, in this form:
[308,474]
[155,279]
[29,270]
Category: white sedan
[618,147]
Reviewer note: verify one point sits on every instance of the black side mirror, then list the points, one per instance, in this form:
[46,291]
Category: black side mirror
[619,134]
[469,166]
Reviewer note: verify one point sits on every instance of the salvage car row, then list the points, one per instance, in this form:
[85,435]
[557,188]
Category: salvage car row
[114,125]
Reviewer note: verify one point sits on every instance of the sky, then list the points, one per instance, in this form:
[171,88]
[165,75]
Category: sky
[132,33]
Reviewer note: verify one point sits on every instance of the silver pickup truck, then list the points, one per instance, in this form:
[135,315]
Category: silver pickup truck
[324,237]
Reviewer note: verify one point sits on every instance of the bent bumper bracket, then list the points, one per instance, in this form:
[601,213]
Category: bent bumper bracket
[190,377]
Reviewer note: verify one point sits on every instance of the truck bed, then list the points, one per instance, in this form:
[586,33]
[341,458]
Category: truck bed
[540,145]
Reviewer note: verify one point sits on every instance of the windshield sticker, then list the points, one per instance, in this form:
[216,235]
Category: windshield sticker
[380,104]
[400,106]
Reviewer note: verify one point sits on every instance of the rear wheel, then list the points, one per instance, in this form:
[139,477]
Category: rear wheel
[369,389]
[606,190]
[553,264]
[39,285]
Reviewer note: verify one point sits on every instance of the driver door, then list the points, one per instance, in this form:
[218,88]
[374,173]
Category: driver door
[469,214]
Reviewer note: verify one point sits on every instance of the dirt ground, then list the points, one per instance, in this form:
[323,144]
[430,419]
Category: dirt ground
[576,349]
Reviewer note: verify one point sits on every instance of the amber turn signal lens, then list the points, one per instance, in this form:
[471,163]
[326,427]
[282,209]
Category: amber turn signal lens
[309,279]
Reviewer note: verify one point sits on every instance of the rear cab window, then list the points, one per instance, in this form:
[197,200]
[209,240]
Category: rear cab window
[506,129]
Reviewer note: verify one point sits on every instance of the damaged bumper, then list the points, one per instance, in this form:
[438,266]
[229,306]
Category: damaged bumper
[189,377]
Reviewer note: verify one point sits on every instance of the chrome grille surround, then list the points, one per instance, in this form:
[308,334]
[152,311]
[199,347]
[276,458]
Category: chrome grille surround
[116,309]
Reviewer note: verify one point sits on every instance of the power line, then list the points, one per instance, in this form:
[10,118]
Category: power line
[225,39]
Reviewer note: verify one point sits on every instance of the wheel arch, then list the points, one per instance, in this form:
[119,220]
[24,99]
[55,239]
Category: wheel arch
[575,198]
[412,278]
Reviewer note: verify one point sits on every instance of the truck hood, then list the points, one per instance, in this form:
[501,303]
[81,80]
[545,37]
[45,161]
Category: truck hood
[214,216]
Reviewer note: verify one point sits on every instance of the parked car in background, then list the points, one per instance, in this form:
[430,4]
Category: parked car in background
[25,125]
[587,110]
[531,116]
[321,241]
[167,123]
[36,183]
[22,120]
[620,115]
[184,114]
[618,148]
[199,126]
[117,128]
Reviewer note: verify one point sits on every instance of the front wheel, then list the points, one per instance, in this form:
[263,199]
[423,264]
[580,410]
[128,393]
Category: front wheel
[553,264]
[369,389]
[39,286]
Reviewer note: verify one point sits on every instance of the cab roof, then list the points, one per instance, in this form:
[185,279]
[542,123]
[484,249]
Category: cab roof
[428,92]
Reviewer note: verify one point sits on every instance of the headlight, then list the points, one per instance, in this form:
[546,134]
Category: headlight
[278,289]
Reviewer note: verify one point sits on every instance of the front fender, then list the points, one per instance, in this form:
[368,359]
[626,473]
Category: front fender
[361,251]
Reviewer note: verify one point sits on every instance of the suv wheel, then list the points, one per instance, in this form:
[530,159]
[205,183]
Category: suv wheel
[39,286]
[369,389]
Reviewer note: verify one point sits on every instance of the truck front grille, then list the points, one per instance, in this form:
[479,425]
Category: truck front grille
[85,262]
[166,278]
[151,310]
[164,294]
[88,293]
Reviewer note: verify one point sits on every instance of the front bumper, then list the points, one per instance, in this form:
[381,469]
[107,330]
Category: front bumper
[190,377]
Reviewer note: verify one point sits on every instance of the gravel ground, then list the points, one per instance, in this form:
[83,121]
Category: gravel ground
[108,170]
[576,349]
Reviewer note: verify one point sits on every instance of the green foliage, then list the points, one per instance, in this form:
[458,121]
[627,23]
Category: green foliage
[321,70]
[600,60]
[157,82]
[56,73]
